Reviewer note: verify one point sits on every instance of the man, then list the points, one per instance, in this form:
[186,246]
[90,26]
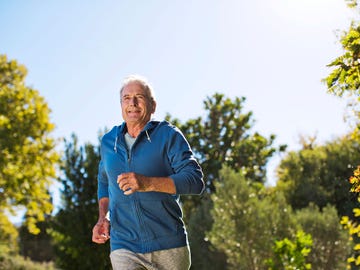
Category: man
[145,165]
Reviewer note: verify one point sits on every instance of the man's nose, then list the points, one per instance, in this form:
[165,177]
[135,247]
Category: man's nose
[133,101]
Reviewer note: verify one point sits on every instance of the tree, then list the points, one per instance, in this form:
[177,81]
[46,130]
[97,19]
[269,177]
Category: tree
[320,175]
[353,226]
[37,247]
[27,151]
[345,79]
[204,254]
[330,242]
[291,255]
[255,227]
[248,219]
[72,225]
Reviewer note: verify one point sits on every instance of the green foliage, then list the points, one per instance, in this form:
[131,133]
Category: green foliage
[37,247]
[320,175]
[8,236]
[352,3]
[355,181]
[344,79]
[247,221]
[205,255]
[345,76]
[27,152]
[15,262]
[353,226]
[291,255]
[330,242]
[72,226]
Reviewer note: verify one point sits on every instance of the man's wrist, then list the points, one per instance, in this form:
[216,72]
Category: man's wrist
[104,218]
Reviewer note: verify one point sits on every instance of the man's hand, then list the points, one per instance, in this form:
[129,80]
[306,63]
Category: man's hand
[132,182]
[100,232]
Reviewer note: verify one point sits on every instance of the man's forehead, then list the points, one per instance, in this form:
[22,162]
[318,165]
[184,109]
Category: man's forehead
[133,89]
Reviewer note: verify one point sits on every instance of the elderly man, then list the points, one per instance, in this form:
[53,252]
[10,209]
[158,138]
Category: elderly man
[145,166]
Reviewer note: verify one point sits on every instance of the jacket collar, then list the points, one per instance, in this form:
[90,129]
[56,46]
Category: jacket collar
[148,127]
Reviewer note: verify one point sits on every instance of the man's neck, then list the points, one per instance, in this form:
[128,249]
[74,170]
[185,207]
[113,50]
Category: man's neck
[134,130]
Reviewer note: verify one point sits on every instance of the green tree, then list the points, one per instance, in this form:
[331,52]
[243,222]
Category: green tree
[204,254]
[330,242]
[247,220]
[291,255]
[320,174]
[27,151]
[72,225]
[344,79]
[353,226]
[16,262]
[37,247]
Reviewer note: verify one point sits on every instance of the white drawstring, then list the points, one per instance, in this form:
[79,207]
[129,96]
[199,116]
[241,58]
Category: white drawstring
[147,135]
[116,139]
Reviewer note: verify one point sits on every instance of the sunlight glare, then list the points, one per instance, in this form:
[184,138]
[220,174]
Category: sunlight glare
[308,12]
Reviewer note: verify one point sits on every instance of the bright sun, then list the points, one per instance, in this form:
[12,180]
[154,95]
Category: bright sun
[307,11]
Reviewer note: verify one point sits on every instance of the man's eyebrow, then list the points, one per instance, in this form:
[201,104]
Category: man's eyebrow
[136,95]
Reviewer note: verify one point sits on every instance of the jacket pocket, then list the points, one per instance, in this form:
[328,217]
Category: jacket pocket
[162,218]
[124,223]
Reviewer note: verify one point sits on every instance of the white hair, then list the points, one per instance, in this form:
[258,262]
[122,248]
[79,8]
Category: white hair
[142,81]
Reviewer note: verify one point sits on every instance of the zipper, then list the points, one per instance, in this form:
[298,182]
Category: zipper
[128,156]
[144,235]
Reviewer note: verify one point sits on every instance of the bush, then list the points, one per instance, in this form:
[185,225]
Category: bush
[16,262]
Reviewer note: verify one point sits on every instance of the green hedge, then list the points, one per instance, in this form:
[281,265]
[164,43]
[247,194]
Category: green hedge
[16,262]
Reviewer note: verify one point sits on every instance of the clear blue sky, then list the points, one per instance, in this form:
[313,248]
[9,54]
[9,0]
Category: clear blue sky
[273,52]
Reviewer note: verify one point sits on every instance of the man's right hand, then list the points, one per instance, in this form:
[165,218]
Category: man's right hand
[100,232]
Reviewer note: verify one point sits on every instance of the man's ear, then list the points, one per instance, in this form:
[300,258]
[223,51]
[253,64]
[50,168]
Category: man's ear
[153,108]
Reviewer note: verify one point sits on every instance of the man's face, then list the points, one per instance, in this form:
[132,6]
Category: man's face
[136,106]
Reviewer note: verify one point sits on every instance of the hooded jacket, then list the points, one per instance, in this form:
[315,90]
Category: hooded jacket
[148,221]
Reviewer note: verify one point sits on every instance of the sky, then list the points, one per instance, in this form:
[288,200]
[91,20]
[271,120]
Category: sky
[272,52]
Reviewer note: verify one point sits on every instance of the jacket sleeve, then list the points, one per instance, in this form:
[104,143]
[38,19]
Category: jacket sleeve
[188,176]
[102,182]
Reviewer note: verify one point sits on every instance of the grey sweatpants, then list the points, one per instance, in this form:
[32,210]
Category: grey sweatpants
[168,259]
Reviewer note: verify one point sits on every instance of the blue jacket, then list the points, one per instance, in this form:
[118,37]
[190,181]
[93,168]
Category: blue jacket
[147,221]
